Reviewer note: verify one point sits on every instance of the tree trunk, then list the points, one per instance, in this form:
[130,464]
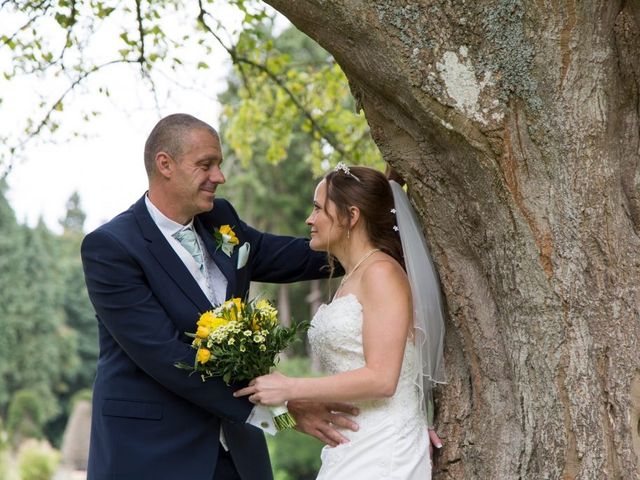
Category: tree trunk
[516,126]
[284,312]
[284,304]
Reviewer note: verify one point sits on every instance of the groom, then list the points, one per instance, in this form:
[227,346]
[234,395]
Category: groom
[150,272]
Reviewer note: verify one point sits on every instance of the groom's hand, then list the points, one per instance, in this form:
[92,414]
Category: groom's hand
[320,419]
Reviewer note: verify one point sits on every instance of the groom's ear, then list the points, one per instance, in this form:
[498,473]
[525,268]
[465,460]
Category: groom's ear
[164,164]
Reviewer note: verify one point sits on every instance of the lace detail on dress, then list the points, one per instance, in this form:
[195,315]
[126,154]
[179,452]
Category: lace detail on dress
[336,340]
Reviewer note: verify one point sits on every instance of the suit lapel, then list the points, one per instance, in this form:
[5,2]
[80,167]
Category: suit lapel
[167,257]
[224,263]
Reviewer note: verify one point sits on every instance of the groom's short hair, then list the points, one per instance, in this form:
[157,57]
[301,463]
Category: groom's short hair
[169,136]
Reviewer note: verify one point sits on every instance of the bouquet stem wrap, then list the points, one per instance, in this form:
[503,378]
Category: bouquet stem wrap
[281,417]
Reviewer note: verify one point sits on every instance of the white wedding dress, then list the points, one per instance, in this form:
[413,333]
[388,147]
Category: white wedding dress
[392,441]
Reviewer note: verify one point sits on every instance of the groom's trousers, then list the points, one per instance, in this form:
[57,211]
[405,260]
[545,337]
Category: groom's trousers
[225,468]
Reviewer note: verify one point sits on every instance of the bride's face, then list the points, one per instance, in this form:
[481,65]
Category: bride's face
[326,233]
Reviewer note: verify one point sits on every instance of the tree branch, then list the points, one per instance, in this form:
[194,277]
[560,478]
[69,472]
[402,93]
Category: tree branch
[40,67]
[245,79]
[238,60]
[72,17]
[141,58]
[7,40]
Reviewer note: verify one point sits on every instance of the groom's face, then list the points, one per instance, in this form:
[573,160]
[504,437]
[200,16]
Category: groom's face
[198,173]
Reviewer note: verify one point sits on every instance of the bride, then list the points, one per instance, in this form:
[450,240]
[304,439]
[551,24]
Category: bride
[380,345]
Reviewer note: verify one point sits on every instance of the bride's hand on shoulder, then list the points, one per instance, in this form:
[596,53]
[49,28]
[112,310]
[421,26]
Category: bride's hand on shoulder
[272,389]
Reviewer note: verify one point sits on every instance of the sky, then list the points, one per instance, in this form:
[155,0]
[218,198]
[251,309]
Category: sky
[105,164]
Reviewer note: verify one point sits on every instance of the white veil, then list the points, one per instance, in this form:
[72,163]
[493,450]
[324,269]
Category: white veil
[428,317]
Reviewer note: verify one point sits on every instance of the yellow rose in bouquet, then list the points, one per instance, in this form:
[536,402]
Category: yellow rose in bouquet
[203,355]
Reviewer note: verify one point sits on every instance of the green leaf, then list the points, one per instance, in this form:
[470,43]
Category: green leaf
[124,36]
[62,20]
[104,12]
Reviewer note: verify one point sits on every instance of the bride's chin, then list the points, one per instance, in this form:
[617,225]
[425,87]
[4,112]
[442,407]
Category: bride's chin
[315,247]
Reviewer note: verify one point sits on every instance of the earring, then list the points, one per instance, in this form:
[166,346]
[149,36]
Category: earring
[348,231]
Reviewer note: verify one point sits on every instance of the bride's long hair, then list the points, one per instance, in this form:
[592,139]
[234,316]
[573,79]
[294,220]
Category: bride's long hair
[369,190]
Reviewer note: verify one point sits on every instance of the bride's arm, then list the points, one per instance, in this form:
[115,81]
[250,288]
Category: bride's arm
[386,299]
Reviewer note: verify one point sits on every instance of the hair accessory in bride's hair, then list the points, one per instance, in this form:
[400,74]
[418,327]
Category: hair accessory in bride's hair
[342,167]
[393,210]
[395,228]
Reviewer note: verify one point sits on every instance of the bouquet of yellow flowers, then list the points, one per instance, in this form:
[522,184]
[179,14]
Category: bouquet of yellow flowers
[239,341]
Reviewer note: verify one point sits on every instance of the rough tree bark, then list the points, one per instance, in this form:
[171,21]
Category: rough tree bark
[516,126]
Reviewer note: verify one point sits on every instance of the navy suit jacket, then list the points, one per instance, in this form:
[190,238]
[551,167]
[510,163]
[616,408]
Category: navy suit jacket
[151,420]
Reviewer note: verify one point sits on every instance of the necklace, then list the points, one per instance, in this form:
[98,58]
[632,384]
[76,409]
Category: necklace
[364,257]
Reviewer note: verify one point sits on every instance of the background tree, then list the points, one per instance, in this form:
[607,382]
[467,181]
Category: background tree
[45,349]
[76,306]
[73,222]
[48,345]
[288,92]
[11,267]
[515,124]
[78,314]
[31,326]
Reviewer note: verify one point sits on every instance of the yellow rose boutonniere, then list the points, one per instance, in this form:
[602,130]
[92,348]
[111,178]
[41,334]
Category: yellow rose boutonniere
[226,239]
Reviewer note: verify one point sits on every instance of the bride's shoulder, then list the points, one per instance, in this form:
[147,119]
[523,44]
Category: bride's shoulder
[384,274]
[384,291]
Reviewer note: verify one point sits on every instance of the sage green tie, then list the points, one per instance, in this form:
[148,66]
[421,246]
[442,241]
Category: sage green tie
[187,239]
